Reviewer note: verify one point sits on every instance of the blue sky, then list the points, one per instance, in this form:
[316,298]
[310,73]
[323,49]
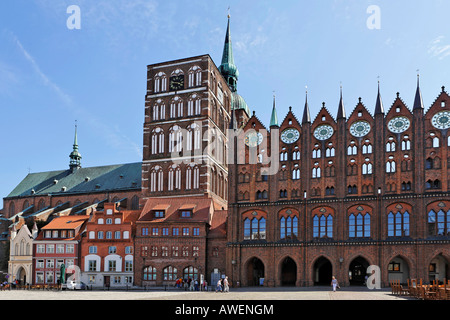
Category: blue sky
[51,76]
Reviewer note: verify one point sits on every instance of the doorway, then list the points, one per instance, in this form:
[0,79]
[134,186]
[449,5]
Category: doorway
[288,272]
[323,272]
[255,272]
[357,271]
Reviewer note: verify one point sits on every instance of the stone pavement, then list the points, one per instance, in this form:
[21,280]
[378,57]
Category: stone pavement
[313,293]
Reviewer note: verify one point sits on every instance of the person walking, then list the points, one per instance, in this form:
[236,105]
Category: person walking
[334,283]
[219,286]
[226,287]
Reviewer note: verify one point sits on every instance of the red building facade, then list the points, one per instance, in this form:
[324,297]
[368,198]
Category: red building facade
[57,244]
[349,193]
[107,250]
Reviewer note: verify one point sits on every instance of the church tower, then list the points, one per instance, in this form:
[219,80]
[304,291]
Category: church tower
[75,156]
[188,108]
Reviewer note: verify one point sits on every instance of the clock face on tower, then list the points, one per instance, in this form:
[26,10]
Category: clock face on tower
[253,139]
[360,129]
[441,120]
[323,132]
[176,82]
[290,136]
[399,124]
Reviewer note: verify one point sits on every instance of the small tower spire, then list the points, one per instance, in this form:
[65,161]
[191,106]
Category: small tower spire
[75,156]
[418,102]
[228,69]
[274,118]
[306,115]
[341,109]
[379,109]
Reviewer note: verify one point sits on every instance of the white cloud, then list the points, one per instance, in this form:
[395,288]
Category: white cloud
[439,49]
[114,137]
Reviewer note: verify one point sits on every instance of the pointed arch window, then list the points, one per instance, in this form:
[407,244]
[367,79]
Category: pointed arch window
[255,229]
[398,224]
[390,145]
[175,139]
[330,152]
[160,82]
[439,224]
[406,144]
[390,166]
[367,168]
[156,179]
[367,148]
[288,227]
[352,149]
[323,226]
[359,225]
[296,174]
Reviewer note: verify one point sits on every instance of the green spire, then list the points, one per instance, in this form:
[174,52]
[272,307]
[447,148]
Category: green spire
[228,69]
[75,156]
[274,118]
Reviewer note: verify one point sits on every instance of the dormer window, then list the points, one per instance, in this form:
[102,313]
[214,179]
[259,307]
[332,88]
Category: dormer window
[186,214]
[159,214]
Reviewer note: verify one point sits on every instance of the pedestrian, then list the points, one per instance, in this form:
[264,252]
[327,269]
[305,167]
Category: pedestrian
[205,285]
[226,287]
[334,284]
[219,286]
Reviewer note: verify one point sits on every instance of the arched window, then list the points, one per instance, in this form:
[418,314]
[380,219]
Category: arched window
[367,149]
[41,204]
[149,274]
[330,152]
[367,168]
[288,227]
[316,172]
[359,225]
[390,166]
[352,150]
[352,189]
[156,179]
[175,139]
[157,141]
[160,82]
[329,191]
[406,144]
[323,226]
[439,224]
[296,174]
[12,209]
[398,224]
[254,229]
[190,272]
[170,273]
[295,155]
[436,143]
[316,153]
[390,146]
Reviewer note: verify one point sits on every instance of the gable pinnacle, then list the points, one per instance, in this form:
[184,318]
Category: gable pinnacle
[274,118]
[306,114]
[379,109]
[341,109]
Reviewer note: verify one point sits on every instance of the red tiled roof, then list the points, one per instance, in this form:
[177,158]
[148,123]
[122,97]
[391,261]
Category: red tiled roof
[218,224]
[66,222]
[201,209]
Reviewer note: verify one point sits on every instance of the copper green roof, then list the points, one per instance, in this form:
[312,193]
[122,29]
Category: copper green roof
[274,118]
[84,180]
[228,69]
[237,102]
